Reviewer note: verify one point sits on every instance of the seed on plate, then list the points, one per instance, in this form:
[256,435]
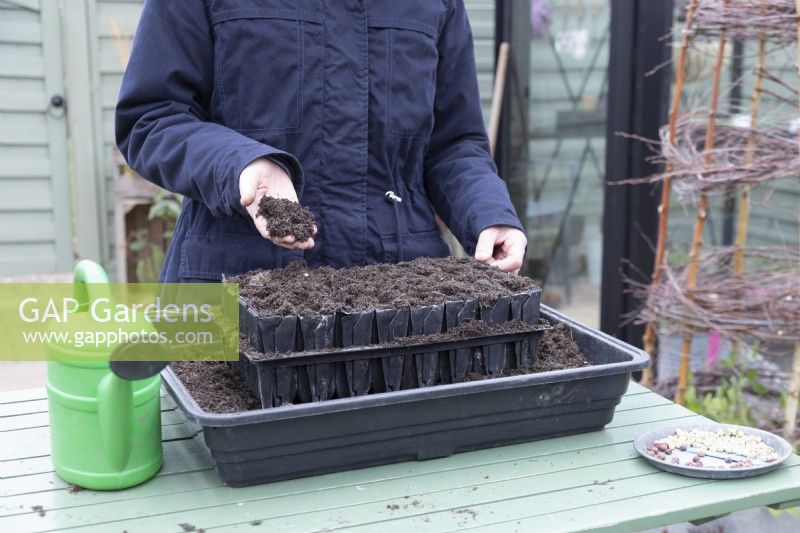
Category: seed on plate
[724,440]
[661,456]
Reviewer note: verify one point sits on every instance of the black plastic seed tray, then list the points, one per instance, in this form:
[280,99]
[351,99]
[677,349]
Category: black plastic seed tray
[298,377]
[358,377]
[293,441]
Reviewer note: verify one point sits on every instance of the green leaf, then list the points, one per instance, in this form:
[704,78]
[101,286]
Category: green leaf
[756,386]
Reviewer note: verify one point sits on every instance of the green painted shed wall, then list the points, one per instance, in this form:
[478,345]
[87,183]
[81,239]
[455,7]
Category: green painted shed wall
[35,234]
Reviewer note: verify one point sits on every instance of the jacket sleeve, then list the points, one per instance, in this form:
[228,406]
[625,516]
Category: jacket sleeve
[163,126]
[460,176]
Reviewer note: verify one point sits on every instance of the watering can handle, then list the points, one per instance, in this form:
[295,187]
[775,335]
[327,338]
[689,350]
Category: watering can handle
[88,277]
[115,414]
[114,395]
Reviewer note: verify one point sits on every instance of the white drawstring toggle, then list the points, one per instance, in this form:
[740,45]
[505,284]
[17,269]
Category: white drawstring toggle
[392,197]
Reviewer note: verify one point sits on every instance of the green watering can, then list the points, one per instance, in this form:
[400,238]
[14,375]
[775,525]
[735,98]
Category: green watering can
[105,430]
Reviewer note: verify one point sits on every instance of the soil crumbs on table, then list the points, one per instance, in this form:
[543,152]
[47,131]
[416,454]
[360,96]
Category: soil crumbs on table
[286,218]
[300,290]
[217,388]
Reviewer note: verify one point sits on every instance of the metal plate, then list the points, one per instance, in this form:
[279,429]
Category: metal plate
[781,447]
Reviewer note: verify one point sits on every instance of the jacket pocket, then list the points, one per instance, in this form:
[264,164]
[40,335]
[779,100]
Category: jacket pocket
[260,58]
[413,245]
[405,55]
[209,257]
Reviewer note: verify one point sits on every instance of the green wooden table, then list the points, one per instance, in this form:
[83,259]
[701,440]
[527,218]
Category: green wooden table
[593,480]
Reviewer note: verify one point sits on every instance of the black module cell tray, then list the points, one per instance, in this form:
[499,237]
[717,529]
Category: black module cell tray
[295,377]
[293,441]
[358,376]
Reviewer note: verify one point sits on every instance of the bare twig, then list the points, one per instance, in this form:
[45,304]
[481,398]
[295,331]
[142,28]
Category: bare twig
[700,221]
[762,303]
[776,20]
[740,155]
[744,195]
[793,401]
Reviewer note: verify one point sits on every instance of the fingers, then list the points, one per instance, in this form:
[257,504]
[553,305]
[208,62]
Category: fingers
[305,245]
[247,190]
[290,243]
[514,253]
[259,222]
[484,250]
[503,248]
[511,264]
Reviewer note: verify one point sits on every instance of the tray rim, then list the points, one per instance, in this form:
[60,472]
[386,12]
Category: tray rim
[638,361]
[641,443]
[246,304]
[375,351]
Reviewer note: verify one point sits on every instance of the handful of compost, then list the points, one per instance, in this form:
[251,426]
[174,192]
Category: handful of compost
[286,218]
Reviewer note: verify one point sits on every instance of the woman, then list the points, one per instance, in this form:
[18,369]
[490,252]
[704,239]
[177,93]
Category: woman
[366,110]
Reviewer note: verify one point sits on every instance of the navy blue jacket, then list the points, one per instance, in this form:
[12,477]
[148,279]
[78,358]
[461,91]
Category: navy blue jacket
[354,97]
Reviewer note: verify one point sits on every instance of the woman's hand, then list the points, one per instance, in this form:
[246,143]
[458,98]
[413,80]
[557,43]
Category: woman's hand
[503,247]
[261,178]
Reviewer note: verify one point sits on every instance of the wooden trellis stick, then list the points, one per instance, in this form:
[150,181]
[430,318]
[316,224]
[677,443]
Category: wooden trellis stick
[743,219]
[649,339]
[700,220]
[793,400]
[744,195]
